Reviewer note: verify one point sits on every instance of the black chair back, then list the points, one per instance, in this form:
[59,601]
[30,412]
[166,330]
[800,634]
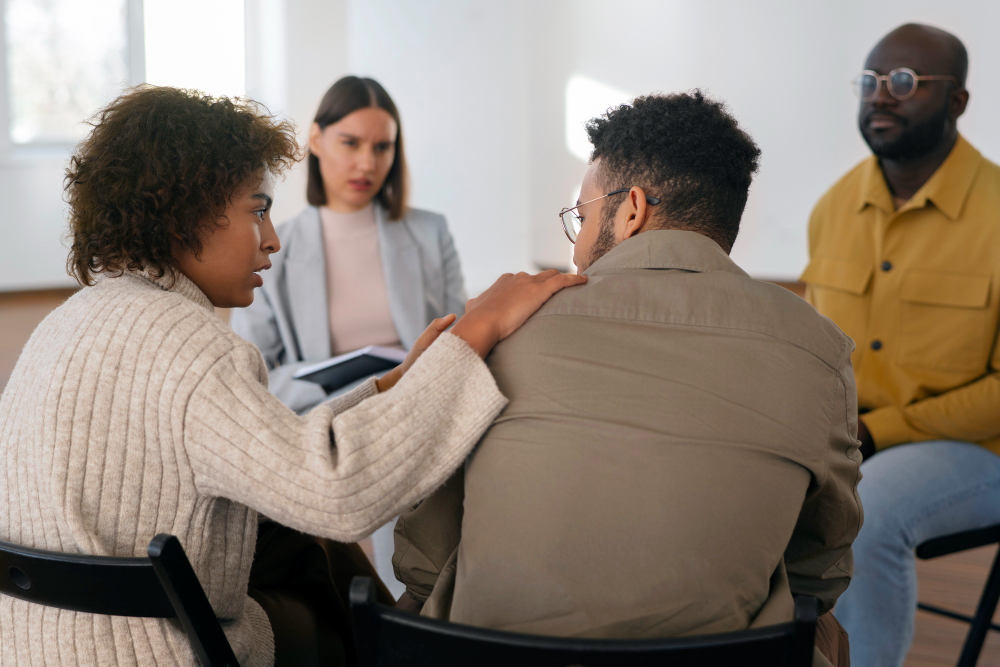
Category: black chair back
[982,621]
[386,637]
[161,586]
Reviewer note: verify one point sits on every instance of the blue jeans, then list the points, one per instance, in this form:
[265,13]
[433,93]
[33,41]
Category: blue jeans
[910,493]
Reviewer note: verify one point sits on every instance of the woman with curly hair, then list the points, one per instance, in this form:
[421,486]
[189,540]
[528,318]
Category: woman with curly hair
[133,410]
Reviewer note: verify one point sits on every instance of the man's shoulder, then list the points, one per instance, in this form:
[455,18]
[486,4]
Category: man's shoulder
[725,303]
[990,171]
[790,318]
[763,308]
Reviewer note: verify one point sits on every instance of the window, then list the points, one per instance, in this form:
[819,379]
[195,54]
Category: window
[62,60]
[65,59]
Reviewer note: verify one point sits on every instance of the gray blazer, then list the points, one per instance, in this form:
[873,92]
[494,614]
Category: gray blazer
[289,318]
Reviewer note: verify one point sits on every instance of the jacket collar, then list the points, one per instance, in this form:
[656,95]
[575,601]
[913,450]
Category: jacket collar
[666,249]
[309,246]
[947,188]
[305,283]
[404,276]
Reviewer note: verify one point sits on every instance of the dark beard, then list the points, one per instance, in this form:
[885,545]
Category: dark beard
[605,236]
[913,143]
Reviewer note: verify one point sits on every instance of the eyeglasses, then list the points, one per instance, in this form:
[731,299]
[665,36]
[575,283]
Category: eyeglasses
[902,83]
[572,223]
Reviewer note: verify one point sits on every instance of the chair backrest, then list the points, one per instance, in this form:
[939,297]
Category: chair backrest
[385,636]
[949,544]
[161,586]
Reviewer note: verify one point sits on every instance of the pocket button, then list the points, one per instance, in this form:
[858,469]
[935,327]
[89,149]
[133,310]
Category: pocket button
[876,345]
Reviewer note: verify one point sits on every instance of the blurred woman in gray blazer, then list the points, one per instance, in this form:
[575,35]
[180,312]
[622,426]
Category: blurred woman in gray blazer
[357,267]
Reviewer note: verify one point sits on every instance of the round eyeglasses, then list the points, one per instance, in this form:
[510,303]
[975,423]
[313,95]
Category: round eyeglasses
[902,83]
[572,223]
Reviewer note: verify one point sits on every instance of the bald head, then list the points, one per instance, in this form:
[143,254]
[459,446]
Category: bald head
[929,50]
[922,126]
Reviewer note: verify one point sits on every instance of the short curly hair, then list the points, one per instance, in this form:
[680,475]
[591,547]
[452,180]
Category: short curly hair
[158,169]
[687,150]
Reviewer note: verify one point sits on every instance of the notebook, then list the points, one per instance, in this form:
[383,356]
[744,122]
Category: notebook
[341,371]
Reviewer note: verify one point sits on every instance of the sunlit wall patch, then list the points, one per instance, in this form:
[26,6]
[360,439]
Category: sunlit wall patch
[586,98]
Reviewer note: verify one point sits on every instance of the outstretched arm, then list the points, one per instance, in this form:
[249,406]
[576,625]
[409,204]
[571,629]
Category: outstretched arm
[386,452]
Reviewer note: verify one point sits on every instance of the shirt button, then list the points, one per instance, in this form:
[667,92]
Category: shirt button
[886,265]
[876,345]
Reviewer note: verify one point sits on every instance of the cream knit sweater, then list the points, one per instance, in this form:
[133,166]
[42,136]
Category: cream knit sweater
[134,411]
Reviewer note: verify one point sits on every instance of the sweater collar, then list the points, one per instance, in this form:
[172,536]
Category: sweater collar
[177,282]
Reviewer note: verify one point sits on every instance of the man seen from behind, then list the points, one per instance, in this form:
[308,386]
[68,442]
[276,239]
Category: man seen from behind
[678,454]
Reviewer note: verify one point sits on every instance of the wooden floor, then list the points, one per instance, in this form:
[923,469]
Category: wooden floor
[953,581]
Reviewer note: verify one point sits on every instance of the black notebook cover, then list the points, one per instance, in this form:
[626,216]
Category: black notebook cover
[347,368]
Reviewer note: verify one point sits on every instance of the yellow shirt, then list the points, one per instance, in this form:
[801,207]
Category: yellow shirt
[917,290]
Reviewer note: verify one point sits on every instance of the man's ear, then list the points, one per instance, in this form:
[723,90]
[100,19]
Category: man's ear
[638,212]
[314,134]
[959,101]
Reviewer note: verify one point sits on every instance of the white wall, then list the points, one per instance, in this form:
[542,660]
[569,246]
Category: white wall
[33,223]
[296,49]
[482,91]
[457,72]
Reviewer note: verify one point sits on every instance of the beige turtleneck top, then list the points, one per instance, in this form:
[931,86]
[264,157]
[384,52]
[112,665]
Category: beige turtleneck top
[355,282]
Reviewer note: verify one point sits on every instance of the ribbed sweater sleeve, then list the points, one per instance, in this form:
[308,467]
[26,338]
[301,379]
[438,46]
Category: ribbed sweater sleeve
[350,464]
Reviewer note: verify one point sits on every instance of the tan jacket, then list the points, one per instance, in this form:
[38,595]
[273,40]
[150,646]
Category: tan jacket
[678,456]
[917,289]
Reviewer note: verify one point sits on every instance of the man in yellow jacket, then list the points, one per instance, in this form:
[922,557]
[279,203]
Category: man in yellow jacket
[905,258]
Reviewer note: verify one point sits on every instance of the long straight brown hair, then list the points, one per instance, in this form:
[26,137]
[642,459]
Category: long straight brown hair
[347,96]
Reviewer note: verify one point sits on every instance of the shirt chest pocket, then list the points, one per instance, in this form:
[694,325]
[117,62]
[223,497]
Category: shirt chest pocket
[945,322]
[837,289]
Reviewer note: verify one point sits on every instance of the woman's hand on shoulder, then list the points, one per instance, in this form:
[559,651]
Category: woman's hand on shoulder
[507,304]
[490,317]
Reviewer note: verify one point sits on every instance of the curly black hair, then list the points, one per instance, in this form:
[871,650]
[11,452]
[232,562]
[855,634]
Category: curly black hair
[687,150]
[158,170]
